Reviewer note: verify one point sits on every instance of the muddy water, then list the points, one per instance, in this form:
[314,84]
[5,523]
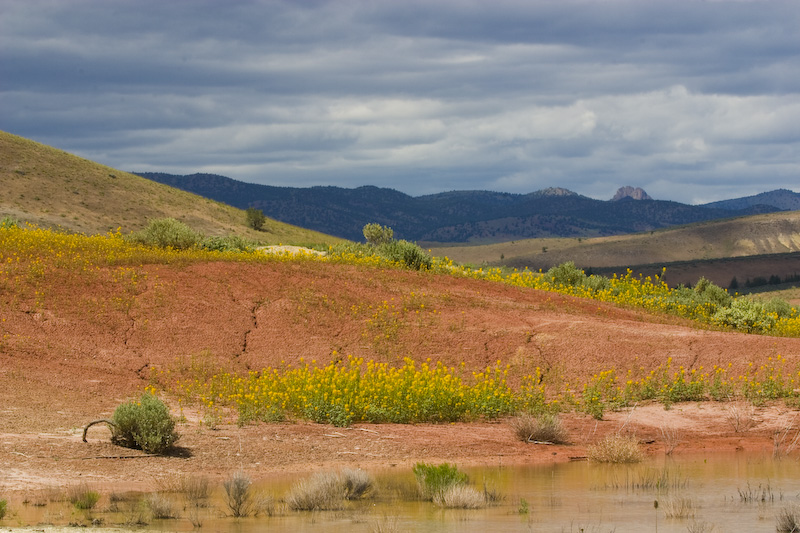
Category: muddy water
[731,493]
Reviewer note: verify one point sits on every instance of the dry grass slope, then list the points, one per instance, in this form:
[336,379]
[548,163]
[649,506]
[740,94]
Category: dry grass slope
[760,234]
[52,188]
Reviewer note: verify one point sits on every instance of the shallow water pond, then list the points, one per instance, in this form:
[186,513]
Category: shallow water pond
[712,492]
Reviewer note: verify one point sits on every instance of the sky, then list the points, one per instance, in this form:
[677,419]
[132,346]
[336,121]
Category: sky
[694,101]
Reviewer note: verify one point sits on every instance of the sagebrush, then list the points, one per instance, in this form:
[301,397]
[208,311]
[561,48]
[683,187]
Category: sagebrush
[144,424]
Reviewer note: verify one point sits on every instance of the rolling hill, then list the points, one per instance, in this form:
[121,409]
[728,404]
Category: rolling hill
[718,250]
[456,216]
[780,198]
[51,188]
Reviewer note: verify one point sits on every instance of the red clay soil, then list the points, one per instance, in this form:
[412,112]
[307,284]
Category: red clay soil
[74,355]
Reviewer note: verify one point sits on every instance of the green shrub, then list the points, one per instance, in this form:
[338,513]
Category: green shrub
[231,243]
[745,315]
[255,218]
[375,234]
[566,274]
[597,283]
[781,308]
[167,233]
[712,293]
[407,253]
[8,223]
[434,480]
[144,424]
[3,508]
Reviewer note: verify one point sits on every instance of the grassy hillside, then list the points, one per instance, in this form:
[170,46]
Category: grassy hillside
[774,233]
[52,188]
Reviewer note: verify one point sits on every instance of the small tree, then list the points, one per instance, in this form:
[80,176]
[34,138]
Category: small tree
[377,234]
[255,218]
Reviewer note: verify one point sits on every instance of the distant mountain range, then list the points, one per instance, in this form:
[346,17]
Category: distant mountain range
[468,216]
[783,199]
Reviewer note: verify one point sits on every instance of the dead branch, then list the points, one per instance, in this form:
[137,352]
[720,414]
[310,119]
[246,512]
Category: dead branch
[110,423]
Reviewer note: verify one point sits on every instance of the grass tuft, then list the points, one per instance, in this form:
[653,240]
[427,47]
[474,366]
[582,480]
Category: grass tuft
[321,492]
[82,497]
[616,448]
[545,427]
[434,480]
[678,507]
[161,507]
[460,497]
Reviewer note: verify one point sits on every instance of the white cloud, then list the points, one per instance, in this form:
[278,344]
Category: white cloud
[686,99]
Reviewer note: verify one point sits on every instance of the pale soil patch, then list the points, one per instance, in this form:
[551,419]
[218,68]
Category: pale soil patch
[277,249]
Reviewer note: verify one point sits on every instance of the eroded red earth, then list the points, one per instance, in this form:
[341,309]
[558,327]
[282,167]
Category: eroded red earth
[75,355]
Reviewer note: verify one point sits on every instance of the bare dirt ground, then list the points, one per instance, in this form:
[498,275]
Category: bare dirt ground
[76,355]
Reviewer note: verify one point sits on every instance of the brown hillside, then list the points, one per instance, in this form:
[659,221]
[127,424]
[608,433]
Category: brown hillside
[93,346]
[51,188]
[756,235]
[759,245]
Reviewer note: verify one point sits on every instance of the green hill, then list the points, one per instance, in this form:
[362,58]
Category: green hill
[52,188]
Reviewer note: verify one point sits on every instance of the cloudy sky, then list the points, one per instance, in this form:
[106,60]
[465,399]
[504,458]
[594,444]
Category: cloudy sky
[694,101]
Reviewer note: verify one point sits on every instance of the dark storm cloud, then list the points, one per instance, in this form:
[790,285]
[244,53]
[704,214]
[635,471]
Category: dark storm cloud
[692,100]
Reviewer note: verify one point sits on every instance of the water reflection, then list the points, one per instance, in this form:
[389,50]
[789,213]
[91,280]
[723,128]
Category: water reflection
[714,492]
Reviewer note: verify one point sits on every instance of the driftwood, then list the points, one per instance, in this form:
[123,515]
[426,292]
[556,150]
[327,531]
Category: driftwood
[111,424]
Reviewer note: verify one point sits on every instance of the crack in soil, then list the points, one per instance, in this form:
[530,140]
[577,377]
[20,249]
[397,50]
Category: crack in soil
[254,321]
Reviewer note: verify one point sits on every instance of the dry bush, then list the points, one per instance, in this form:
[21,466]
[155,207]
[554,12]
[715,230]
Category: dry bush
[357,483]
[671,437]
[195,489]
[237,494]
[785,440]
[741,416]
[134,513]
[161,507]
[788,520]
[545,427]
[264,505]
[460,497]
[320,492]
[616,448]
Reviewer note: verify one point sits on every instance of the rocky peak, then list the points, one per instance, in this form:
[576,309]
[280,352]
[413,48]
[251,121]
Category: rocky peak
[555,191]
[632,193]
